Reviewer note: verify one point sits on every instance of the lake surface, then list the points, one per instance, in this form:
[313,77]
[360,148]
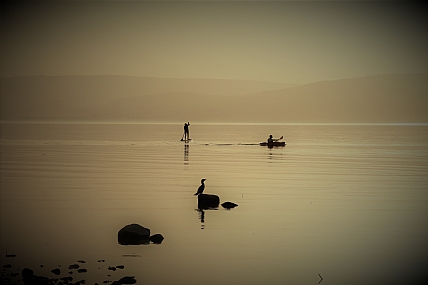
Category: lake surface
[347,202]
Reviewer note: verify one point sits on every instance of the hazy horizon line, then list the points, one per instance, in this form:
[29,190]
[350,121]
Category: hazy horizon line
[118,122]
[209,78]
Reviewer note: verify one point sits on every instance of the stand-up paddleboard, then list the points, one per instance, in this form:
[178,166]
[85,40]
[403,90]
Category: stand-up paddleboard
[189,140]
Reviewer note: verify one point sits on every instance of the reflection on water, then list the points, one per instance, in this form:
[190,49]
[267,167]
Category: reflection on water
[346,202]
[201,216]
[186,153]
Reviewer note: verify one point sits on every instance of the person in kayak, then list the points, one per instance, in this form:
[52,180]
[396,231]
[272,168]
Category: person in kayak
[271,139]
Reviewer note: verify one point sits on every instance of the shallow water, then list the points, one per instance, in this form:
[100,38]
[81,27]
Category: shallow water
[348,202]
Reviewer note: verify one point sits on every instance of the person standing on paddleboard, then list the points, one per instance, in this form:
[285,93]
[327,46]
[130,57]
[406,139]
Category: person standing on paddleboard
[186,131]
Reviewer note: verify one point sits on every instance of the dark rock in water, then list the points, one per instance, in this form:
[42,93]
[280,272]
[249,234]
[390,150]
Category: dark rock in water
[229,205]
[82,270]
[26,272]
[37,280]
[120,266]
[28,278]
[101,260]
[56,271]
[208,201]
[81,261]
[66,279]
[156,239]
[128,280]
[133,234]
[7,266]
[112,268]
[74,266]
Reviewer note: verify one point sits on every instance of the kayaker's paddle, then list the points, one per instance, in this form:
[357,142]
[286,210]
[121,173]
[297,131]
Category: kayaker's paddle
[279,139]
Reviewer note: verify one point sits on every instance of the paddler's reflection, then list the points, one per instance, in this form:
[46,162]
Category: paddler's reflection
[186,154]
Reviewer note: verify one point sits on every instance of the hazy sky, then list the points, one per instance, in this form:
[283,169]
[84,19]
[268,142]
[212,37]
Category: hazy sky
[287,42]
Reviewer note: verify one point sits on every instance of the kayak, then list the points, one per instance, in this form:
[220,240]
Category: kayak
[272,144]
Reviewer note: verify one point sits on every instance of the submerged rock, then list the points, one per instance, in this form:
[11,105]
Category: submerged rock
[133,234]
[74,266]
[128,280]
[66,279]
[156,239]
[26,272]
[56,271]
[28,278]
[229,205]
[208,201]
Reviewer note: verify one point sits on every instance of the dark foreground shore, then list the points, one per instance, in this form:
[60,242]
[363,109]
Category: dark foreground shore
[73,274]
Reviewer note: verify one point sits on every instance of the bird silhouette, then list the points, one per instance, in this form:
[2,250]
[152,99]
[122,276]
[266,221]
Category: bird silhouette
[201,188]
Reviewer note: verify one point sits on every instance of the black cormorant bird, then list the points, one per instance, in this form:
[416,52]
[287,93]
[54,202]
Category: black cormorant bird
[201,188]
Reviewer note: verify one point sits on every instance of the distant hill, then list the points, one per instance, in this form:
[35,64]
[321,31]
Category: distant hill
[75,97]
[394,98]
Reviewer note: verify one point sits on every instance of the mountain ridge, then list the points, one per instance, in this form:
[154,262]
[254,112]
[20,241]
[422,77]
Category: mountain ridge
[390,98]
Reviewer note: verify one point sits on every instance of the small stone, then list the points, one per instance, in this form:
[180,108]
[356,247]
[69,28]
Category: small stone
[74,266]
[229,205]
[56,271]
[120,266]
[82,270]
[156,239]
[66,279]
[128,280]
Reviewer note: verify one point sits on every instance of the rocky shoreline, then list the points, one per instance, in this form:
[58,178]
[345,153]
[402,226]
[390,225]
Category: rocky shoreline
[74,274]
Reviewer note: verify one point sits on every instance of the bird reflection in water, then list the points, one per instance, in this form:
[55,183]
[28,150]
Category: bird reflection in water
[186,154]
[201,217]
[202,207]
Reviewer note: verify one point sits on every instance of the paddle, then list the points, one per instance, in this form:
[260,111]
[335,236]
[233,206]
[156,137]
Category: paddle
[279,139]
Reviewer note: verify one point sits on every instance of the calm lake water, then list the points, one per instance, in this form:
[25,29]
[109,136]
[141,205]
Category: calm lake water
[347,202]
